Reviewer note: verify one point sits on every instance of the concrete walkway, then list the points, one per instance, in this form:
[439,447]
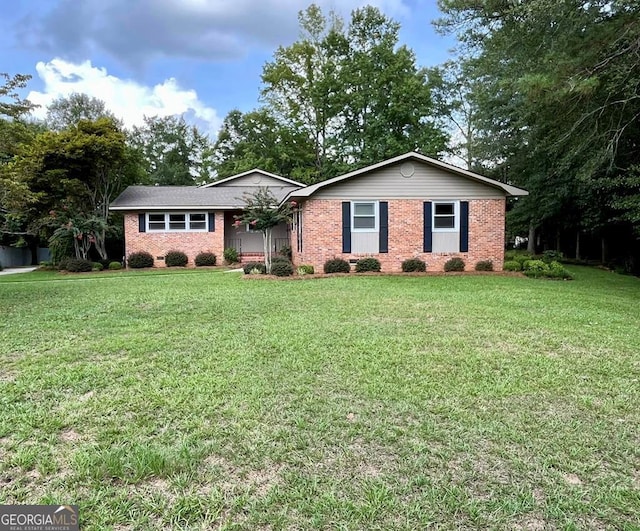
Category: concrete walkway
[14,270]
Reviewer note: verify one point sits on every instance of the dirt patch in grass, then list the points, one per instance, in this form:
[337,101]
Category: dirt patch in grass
[261,481]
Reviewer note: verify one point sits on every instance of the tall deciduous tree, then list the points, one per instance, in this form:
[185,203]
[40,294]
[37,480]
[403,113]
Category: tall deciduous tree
[64,112]
[14,132]
[76,173]
[387,104]
[174,153]
[258,140]
[352,91]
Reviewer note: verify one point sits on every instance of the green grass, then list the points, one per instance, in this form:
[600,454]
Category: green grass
[199,400]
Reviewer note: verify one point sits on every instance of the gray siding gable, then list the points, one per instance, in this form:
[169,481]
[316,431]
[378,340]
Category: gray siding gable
[254,179]
[408,180]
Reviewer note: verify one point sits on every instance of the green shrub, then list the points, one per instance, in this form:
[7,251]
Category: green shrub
[510,255]
[175,259]
[484,265]
[205,259]
[45,265]
[97,266]
[541,269]
[365,265]
[512,265]
[286,252]
[0,266]
[231,255]
[414,265]
[552,256]
[279,259]
[250,266]
[305,269]
[454,264]
[535,266]
[337,265]
[521,258]
[140,259]
[282,269]
[79,265]
[62,264]
[114,266]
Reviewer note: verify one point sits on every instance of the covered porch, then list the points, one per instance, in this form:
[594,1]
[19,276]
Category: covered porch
[249,243]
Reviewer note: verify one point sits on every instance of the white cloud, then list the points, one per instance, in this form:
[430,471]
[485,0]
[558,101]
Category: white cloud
[128,100]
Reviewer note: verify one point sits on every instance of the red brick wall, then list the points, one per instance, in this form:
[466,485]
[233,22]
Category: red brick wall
[322,235]
[158,243]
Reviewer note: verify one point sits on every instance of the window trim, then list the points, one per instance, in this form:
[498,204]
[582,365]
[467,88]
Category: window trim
[456,216]
[187,220]
[376,215]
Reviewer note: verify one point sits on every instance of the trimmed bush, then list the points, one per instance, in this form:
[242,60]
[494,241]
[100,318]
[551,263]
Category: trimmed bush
[454,264]
[230,255]
[62,264]
[484,265]
[365,265]
[140,260]
[305,269]
[286,252]
[511,265]
[79,265]
[279,259]
[97,266]
[414,265]
[175,259]
[114,266]
[552,256]
[282,269]
[250,266]
[541,269]
[337,265]
[205,259]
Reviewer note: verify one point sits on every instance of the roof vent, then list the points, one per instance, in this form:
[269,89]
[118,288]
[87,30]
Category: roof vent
[407,169]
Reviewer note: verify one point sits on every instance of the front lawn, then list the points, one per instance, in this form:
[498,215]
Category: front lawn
[199,400]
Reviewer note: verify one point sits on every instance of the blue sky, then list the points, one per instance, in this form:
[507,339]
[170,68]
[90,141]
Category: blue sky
[159,57]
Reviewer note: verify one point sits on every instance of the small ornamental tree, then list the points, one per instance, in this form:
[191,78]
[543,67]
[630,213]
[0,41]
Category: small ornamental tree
[263,212]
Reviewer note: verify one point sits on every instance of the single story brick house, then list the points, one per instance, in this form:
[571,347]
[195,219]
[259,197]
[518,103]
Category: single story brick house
[405,207]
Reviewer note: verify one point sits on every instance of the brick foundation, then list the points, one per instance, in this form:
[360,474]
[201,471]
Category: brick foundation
[322,235]
[159,243]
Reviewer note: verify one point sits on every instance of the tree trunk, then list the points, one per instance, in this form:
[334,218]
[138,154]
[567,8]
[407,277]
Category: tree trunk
[531,243]
[578,245]
[603,250]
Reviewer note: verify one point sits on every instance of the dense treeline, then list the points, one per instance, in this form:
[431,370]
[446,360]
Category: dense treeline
[550,91]
[542,94]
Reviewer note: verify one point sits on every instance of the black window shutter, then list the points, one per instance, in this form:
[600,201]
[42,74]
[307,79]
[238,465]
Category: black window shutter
[464,226]
[142,223]
[346,227]
[428,237]
[384,227]
[212,221]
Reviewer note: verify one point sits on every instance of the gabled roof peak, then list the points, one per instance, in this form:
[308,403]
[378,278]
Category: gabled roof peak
[249,172]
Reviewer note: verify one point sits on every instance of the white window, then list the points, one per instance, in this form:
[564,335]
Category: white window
[364,216]
[198,221]
[177,222]
[156,222]
[446,216]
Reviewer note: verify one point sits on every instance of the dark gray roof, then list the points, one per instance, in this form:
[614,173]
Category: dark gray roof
[182,197]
